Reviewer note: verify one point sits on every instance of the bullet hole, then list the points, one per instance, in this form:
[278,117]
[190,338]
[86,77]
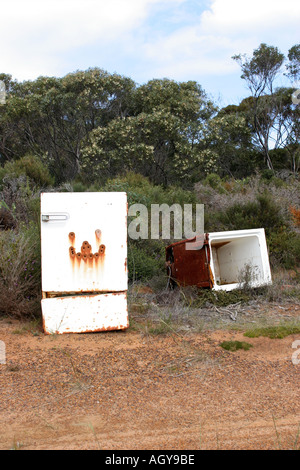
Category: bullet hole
[102,249]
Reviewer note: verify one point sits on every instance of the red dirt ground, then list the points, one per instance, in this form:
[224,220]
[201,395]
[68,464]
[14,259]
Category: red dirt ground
[124,390]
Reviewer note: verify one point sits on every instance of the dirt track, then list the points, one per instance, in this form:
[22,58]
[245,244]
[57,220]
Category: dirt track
[124,390]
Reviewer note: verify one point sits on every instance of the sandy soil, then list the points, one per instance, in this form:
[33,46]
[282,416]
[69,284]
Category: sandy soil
[126,390]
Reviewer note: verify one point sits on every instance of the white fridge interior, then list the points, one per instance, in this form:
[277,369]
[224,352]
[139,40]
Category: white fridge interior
[238,254]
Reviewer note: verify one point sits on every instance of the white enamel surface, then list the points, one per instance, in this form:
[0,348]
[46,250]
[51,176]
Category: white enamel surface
[84,214]
[232,252]
[85,313]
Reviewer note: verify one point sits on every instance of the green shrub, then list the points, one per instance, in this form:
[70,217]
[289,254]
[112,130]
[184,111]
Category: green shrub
[236,345]
[273,332]
[284,247]
[141,265]
[214,181]
[140,190]
[20,271]
[30,166]
[262,213]
[20,200]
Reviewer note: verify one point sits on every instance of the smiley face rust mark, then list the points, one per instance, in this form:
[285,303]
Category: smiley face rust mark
[85,254]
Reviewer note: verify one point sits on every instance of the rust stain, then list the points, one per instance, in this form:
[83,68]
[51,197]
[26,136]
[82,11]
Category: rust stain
[86,254]
[102,249]
[86,331]
[72,237]
[86,247]
[189,267]
[101,253]
[72,251]
[98,234]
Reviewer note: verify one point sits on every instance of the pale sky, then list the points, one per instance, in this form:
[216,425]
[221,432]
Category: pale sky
[144,39]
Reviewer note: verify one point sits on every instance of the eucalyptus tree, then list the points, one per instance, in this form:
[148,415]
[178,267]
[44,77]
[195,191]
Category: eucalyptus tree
[260,73]
[52,117]
[160,138]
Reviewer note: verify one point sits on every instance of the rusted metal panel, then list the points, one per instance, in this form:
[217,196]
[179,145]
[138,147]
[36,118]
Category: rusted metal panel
[85,313]
[189,267]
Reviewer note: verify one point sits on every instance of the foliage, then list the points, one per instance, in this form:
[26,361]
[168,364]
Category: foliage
[161,142]
[236,345]
[219,298]
[273,332]
[261,70]
[20,201]
[30,166]
[284,249]
[20,271]
[158,140]
[295,215]
[229,142]
[141,265]
[270,112]
[53,116]
[293,67]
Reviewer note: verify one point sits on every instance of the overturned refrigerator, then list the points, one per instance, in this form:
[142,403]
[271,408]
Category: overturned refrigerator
[220,260]
[84,262]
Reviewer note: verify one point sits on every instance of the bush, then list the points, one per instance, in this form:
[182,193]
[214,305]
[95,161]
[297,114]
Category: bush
[235,345]
[142,265]
[31,167]
[262,213]
[20,202]
[284,247]
[20,271]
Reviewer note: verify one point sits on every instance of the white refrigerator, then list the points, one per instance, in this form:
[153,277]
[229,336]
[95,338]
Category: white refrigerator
[84,262]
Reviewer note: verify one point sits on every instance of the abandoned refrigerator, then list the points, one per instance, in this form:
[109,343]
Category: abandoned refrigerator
[84,262]
[221,260]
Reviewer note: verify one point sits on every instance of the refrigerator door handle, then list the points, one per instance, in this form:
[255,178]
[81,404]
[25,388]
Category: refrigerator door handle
[55,217]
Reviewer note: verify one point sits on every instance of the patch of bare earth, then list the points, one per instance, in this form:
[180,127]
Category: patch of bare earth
[126,390]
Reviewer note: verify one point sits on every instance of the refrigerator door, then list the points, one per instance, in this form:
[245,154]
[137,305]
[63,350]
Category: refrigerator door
[84,242]
[85,313]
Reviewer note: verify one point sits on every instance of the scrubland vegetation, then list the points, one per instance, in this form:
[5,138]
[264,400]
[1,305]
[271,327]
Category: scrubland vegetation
[161,142]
